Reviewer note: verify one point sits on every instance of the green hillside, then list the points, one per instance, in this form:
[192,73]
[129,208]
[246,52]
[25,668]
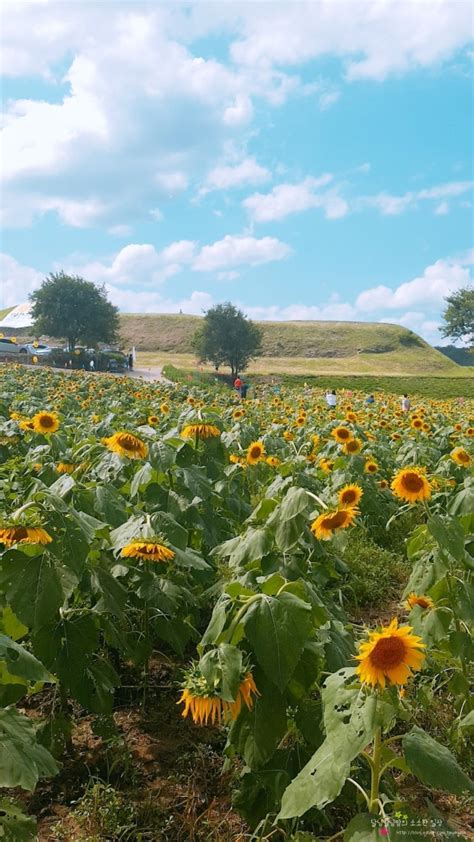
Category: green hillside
[322,346]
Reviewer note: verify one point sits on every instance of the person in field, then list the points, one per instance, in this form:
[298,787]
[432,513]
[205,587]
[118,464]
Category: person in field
[238,385]
[331,399]
[406,404]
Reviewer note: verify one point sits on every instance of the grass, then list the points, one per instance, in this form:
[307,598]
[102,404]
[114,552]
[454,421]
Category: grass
[431,387]
[301,347]
[5,312]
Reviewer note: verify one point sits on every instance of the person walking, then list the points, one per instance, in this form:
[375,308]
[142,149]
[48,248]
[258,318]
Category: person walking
[243,390]
[406,404]
[130,361]
[331,399]
[238,385]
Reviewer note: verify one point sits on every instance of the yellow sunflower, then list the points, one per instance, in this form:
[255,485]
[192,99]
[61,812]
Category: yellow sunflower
[200,431]
[45,422]
[238,414]
[352,447]
[148,550]
[424,602]
[164,408]
[16,534]
[126,444]
[332,521]
[205,709]
[255,452]
[391,654]
[65,467]
[461,457]
[349,496]
[273,461]
[371,466]
[411,485]
[341,434]
[326,465]
[153,419]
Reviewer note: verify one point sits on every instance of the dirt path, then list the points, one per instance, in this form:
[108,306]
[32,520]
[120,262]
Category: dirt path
[153,372]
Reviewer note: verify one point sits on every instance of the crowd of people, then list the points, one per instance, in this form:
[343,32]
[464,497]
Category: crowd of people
[242,388]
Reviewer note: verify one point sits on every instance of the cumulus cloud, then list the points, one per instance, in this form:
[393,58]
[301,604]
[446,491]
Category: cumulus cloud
[246,172]
[235,251]
[17,281]
[429,289]
[286,199]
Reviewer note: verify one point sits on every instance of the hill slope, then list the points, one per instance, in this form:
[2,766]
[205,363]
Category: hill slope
[324,345]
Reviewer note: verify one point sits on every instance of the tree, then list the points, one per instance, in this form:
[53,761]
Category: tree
[227,337]
[69,307]
[459,315]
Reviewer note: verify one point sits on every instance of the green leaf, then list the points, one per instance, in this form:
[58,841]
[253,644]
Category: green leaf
[11,625]
[449,534]
[22,760]
[222,667]
[363,828]
[33,588]
[113,596]
[350,719]
[277,628]
[433,764]
[257,732]
[110,505]
[20,662]
[15,826]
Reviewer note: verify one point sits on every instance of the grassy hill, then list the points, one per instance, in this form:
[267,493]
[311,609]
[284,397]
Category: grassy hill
[298,347]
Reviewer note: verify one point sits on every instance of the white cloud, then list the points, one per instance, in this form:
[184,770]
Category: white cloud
[17,281]
[394,205]
[240,112]
[442,209]
[437,281]
[120,230]
[133,301]
[238,250]
[240,175]
[156,215]
[328,98]
[231,275]
[286,199]
[172,182]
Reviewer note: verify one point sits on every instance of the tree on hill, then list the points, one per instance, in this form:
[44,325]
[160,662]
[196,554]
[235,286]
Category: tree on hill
[459,315]
[77,310]
[227,337]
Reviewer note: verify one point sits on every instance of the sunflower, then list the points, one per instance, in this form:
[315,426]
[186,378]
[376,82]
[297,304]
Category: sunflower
[352,447]
[126,444]
[326,465]
[390,654]
[17,534]
[383,483]
[238,414]
[205,708]
[417,423]
[300,421]
[349,496]
[164,408]
[153,419]
[26,424]
[45,422]
[200,431]
[331,521]
[255,452]
[65,467]
[273,461]
[351,416]
[341,434]
[150,550]
[461,457]
[419,599]
[288,436]
[371,466]
[411,485]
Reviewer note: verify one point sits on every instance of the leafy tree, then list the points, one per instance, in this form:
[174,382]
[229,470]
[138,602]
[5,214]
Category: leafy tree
[227,337]
[459,315]
[70,307]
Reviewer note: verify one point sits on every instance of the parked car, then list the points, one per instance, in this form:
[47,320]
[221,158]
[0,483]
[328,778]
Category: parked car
[10,348]
[40,350]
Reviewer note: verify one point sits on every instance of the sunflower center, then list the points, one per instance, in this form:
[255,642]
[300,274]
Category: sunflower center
[349,496]
[388,652]
[463,456]
[334,521]
[127,442]
[352,445]
[343,434]
[412,481]
[255,452]
[46,420]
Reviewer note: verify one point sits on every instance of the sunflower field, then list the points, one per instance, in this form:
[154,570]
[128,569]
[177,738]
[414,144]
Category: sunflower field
[283,588]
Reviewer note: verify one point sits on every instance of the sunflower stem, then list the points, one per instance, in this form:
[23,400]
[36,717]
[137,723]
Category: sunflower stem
[375,779]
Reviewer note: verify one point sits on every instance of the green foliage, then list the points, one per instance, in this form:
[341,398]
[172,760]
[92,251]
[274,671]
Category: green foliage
[459,315]
[227,337]
[374,574]
[433,764]
[70,307]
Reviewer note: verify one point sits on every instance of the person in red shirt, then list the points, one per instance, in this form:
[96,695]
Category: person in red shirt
[238,385]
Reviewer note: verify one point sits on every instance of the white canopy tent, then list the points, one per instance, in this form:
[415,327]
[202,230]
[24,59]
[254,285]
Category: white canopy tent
[18,317]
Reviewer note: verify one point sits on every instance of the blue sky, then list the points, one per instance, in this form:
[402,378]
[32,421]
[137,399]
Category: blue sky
[304,160]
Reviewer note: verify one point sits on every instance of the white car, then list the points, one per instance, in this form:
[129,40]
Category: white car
[9,348]
[39,350]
